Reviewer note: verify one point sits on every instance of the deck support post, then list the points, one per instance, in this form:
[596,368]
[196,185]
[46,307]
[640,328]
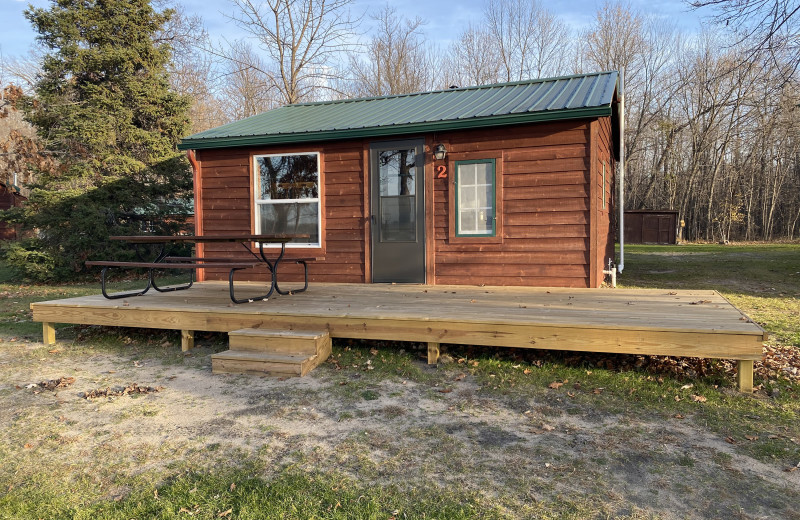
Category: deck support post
[744,375]
[187,340]
[433,353]
[48,333]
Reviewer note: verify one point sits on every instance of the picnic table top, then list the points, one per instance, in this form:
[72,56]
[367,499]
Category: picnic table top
[160,239]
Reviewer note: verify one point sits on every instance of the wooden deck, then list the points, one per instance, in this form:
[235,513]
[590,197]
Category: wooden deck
[640,321]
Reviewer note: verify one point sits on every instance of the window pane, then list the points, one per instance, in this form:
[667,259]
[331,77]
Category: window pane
[484,222]
[292,217]
[484,199]
[397,172]
[483,173]
[466,174]
[288,177]
[398,219]
[467,221]
[467,196]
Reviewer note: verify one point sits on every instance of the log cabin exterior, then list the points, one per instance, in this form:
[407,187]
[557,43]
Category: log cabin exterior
[522,197]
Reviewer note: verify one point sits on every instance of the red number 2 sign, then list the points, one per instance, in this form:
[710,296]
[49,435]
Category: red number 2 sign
[441,172]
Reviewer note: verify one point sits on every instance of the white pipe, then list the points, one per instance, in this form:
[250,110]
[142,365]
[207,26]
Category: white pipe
[621,264]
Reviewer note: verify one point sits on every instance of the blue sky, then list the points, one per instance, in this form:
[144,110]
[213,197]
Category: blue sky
[445,18]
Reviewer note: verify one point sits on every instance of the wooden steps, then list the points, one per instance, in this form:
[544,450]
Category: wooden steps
[272,352]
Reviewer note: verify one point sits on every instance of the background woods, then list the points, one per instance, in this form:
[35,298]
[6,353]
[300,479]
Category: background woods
[711,117]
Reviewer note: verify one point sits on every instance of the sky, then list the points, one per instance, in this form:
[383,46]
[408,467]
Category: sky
[445,18]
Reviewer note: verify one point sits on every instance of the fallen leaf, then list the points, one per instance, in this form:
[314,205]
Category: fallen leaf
[555,385]
[184,510]
[547,427]
[233,486]
[751,437]
[570,394]
[686,387]
[474,363]
[55,351]
[527,371]
[28,446]
[155,494]
[373,351]
[445,390]
[460,377]
[730,440]
[598,390]
[679,416]
[225,513]
[699,398]
[576,386]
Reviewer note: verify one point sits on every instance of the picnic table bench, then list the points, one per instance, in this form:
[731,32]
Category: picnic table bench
[163,261]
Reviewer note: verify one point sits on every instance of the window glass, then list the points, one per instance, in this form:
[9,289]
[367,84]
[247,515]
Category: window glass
[287,194]
[397,172]
[475,198]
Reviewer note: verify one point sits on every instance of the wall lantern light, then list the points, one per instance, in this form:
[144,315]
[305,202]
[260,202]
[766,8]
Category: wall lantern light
[439,152]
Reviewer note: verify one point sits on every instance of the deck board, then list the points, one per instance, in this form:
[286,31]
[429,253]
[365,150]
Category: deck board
[639,321]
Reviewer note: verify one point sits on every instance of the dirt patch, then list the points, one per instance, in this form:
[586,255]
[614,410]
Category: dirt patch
[388,429]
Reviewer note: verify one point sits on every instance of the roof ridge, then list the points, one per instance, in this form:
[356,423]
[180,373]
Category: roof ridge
[459,89]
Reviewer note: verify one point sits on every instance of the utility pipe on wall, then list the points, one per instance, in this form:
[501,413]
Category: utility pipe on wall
[621,264]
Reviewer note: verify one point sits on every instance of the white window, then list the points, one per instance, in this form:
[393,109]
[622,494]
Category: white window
[475,198]
[287,196]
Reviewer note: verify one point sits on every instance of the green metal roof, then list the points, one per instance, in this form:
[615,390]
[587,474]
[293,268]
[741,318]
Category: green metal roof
[567,97]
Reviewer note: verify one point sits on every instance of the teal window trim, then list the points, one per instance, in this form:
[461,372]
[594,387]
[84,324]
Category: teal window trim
[458,164]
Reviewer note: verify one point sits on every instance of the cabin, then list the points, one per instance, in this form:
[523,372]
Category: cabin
[507,185]
[499,185]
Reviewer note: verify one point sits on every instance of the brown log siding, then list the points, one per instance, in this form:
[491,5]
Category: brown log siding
[544,183]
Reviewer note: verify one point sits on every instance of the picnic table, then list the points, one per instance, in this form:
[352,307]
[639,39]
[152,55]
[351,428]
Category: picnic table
[162,260]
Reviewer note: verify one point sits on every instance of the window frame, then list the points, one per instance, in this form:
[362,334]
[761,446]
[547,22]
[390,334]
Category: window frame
[456,207]
[259,202]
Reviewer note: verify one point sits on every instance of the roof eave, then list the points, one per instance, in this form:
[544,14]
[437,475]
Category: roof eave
[382,131]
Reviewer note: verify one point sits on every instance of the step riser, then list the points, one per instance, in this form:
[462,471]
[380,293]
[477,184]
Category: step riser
[277,345]
[241,366]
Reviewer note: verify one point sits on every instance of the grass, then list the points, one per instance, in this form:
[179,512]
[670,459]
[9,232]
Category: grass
[613,393]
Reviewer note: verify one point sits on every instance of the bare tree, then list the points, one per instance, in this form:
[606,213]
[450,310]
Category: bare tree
[397,60]
[245,90]
[192,71]
[529,39]
[510,24]
[473,58]
[550,41]
[303,40]
[21,70]
[766,27]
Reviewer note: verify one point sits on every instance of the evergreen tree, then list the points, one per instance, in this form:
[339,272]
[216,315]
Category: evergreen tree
[103,105]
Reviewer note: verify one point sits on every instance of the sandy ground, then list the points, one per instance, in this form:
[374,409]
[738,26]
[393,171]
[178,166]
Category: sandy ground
[443,430]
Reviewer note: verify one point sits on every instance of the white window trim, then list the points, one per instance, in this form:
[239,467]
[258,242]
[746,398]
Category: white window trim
[258,202]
